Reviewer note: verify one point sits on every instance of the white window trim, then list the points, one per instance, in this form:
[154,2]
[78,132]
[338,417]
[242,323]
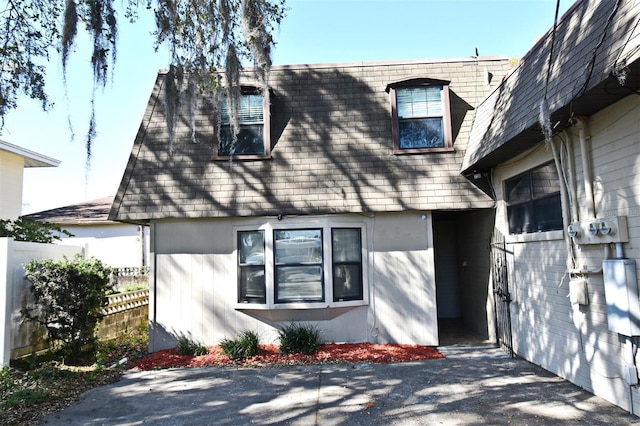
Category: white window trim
[326,224]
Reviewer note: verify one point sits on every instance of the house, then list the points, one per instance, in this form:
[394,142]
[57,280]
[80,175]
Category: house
[16,337]
[340,204]
[119,245]
[568,198]
[13,160]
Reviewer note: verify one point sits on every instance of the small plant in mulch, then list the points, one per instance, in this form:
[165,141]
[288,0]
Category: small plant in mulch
[245,345]
[188,347]
[299,338]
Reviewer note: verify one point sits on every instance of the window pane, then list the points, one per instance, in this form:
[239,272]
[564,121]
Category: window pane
[251,247]
[548,213]
[299,283]
[347,282]
[251,276]
[415,102]
[250,110]
[346,245]
[544,180]
[250,141]
[298,246]
[518,189]
[252,285]
[421,133]
[521,218]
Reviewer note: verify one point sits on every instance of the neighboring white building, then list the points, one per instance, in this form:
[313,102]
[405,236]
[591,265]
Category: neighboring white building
[116,244]
[13,161]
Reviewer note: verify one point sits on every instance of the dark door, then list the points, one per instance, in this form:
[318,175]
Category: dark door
[501,291]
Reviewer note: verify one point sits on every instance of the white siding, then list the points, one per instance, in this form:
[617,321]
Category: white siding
[11,172]
[571,341]
[194,291]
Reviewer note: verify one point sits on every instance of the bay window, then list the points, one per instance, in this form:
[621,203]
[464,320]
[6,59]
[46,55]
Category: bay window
[300,267]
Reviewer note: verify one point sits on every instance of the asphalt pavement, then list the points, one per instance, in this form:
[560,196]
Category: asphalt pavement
[471,386]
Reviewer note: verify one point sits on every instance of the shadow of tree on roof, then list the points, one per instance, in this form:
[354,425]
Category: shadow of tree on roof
[331,153]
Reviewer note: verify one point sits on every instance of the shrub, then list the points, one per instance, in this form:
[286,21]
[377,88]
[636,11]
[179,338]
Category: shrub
[26,229]
[188,347]
[299,338]
[246,345]
[68,299]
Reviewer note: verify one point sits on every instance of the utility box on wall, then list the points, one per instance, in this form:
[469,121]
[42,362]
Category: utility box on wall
[621,292]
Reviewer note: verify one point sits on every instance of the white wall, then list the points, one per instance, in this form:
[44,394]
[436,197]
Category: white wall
[11,172]
[193,292]
[570,340]
[14,291]
[116,245]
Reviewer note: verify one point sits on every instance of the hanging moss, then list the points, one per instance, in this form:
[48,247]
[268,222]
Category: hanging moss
[203,36]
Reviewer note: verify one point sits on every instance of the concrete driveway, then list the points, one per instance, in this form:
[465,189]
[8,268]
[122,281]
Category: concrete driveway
[472,386]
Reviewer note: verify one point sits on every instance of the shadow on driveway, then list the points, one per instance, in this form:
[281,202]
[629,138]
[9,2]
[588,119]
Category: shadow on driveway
[469,387]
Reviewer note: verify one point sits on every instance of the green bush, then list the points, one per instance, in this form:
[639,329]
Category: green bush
[26,229]
[187,347]
[69,296]
[299,338]
[246,345]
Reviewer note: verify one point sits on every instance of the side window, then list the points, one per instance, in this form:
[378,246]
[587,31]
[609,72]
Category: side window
[252,139]
[421,119]
[251,273]
[346,246]
[533,201]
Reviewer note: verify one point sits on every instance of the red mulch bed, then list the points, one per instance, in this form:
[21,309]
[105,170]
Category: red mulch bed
[329,353]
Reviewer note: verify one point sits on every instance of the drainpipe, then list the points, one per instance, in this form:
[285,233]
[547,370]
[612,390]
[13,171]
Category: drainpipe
[586,167]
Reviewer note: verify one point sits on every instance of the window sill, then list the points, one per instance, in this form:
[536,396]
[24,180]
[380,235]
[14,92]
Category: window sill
[241,157]
[297,306]
[397,151]
[534,236]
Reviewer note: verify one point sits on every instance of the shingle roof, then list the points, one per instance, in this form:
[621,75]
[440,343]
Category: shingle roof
[89,212]
[592,43]
[332,150]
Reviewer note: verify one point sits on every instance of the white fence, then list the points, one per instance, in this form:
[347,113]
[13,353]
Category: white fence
[16,337]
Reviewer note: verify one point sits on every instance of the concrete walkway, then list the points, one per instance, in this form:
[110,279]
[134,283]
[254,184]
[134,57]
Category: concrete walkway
[472,386]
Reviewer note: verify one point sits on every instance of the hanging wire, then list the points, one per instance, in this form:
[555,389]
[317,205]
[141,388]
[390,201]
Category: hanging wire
[621,70]
[592,62]
[545,116]
[553,42]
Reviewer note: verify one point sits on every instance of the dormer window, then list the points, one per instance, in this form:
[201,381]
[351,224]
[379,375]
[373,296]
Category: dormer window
[421,119]
[252,139]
